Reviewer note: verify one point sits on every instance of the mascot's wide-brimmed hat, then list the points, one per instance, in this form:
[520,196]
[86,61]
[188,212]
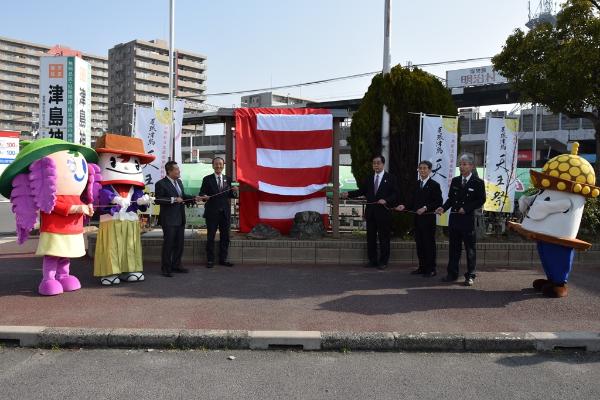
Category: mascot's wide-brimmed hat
[126,145]
[35,150]
[567,173]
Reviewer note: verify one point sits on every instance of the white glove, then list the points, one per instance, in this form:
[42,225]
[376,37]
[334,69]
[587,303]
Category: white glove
[120,201]
[144,200]
[525,203]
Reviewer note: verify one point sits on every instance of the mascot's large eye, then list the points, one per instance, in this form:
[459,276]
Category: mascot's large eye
[71,165]
[137,165]
[113,162]
[547,199]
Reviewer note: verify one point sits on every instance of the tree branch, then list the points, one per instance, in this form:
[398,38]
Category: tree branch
[596,4]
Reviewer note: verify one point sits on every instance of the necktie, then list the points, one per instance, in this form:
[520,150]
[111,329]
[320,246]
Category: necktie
[376,182]
[421,184]
[464,182]
[177,188]
[219,183]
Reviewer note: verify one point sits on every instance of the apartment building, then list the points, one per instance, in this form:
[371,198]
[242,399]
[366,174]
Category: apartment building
[19,86]
[139,71]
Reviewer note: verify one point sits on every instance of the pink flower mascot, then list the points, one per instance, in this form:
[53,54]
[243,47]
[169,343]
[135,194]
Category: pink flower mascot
[57,179]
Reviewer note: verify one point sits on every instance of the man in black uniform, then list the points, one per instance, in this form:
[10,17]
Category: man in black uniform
[466,194]
[426,200]
[381,190]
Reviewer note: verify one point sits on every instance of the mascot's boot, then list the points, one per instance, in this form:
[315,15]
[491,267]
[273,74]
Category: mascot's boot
[69,282]
[555,290]
[132,277]
[110,280]
[49,285]
[539,284]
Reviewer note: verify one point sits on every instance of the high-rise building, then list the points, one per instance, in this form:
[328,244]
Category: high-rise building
[139,71]
[19,86]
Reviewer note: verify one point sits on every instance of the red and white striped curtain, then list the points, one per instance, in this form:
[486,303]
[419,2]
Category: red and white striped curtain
[286,154]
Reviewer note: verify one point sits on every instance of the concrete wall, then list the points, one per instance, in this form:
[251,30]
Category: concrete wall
[350,252]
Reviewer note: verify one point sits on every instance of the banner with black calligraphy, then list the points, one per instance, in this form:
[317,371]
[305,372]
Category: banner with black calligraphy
[439,142]
[501,164]
[153,129]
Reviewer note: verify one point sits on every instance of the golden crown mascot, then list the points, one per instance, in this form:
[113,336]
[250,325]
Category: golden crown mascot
[552,217]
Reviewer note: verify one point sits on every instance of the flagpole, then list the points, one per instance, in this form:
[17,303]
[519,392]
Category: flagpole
[385,118]
[171,67]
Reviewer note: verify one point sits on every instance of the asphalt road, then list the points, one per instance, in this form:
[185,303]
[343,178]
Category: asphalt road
[142,374]
[302,297]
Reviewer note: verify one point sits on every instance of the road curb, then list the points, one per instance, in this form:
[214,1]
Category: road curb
[50,337]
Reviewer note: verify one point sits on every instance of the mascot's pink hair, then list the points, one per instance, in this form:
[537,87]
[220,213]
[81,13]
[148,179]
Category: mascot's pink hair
[36,191]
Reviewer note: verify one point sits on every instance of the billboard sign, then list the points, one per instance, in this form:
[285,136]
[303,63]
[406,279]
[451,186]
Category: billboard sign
[66,99]
[478,76]
[9,146]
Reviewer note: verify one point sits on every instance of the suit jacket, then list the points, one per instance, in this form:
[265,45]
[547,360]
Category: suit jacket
[429,196]
[470,198]
[218,202]
[171,214]
[388,190]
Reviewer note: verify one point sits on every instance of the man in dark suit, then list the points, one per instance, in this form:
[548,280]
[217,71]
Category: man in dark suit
[217,191]
[425,201]
[466,194]
[381,191]
[171,197]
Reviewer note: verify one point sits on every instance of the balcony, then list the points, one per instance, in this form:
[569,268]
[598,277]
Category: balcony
[197,65]
[151,55]
[152,78]
[152,67]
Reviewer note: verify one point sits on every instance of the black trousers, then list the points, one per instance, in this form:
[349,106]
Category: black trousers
[425,240]
[219,221]
[379,226]
[172,249]
[457,238]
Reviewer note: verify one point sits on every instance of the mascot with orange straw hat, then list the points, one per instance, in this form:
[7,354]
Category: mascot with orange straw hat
[118,255]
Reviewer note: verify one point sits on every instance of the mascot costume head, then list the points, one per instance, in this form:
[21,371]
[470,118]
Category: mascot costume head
[552,216]
[118,254]
[57,179]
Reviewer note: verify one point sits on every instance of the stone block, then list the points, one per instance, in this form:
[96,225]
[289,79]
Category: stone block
[254,255]
[328,256]
[303,255]
[279,255]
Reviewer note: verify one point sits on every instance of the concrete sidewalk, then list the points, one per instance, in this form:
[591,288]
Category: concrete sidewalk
[309,306]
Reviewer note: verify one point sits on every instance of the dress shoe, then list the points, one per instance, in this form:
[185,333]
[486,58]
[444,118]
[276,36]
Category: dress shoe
[418,271]
[167,274]
[469,281]
[210,264]
[539,284]
[449,278]
[381,267]
[226,263]
[429,274]
[181,270]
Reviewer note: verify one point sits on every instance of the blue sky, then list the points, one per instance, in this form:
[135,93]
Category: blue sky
[259,43]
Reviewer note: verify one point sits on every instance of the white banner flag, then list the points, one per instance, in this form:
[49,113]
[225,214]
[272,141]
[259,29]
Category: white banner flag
[163,105]
[501,164]
[155,134]
[439,145]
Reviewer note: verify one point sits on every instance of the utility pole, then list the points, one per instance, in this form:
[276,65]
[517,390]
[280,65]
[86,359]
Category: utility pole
[171,71]
[387,59]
